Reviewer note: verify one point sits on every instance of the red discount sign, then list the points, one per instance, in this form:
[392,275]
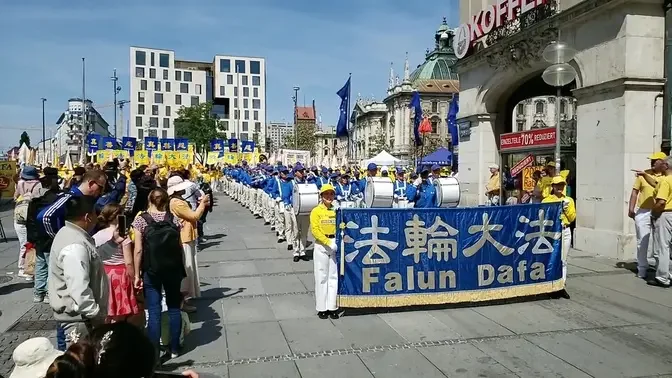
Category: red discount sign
[516,169]
[527,140]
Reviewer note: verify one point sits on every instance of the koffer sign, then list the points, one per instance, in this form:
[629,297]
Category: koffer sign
[487,20]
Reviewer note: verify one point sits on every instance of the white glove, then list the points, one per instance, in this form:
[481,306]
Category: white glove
[396,196]
[278,199]
[333,245]
[417,181]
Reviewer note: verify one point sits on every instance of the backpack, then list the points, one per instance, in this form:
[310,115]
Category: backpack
[21,208]
[162,248]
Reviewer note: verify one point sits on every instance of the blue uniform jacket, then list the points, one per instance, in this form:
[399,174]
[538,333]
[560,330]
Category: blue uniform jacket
[425,197]
[286,188]
[401,189]
[344,192]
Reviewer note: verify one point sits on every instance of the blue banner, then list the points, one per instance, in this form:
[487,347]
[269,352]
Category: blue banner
[181,144]
[93,141]
[151,143]
[217,145]
[409,257]
[129,143]
[109,143]
[233,145]
[167,144]
[246,146]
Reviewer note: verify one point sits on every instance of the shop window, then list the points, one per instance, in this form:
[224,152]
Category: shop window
[539,107]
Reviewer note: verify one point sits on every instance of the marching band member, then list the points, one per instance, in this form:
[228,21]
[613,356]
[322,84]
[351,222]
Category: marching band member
[323,178]
[323,227]
[311,175]
[567,217]
[436,171]
[400,186]
[344,190]
[425,196]
[280,191]
[269,214]
[297,236]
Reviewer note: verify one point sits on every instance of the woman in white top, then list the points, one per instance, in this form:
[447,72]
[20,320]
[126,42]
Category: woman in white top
[117,254]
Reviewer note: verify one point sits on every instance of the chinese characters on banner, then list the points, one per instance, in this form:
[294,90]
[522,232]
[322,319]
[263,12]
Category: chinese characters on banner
[393,258]
[7,185]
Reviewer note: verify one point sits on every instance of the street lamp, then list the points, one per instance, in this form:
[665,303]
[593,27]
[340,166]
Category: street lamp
[44,133]
[296,117]
[559,74]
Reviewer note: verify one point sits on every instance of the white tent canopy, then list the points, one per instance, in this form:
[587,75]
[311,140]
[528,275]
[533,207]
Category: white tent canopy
[383,158]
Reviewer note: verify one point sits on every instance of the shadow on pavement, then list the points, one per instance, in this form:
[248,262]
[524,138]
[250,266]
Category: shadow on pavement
[211,326]
[11,288]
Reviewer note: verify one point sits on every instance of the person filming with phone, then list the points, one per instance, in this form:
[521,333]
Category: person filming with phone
[116,250]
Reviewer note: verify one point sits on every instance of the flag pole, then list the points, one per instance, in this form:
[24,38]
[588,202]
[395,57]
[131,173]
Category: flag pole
[347,121]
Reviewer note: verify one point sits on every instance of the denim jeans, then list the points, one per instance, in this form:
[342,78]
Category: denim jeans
[41,273]
[60,338]
[154,285]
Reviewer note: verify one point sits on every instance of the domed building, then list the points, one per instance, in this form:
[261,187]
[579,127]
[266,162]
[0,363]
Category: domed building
[390,122]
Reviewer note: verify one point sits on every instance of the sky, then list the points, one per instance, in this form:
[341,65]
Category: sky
[310,44]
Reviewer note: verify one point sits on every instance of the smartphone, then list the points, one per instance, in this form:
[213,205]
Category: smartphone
[121,221]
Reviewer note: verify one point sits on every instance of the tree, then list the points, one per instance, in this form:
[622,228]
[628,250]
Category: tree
[379,142]
[198,124]
[24,139]
[431,143]
[305,138]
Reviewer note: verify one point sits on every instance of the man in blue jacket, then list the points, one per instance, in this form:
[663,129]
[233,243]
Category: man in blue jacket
[425,196]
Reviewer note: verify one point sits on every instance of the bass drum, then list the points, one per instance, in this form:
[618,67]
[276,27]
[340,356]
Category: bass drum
[379,192]
[447,191]
[305,197]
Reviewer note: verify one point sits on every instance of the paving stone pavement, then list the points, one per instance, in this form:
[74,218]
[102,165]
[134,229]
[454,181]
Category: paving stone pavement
[257,319]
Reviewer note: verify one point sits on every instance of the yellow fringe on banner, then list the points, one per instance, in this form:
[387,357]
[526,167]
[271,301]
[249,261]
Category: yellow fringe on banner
[401,300]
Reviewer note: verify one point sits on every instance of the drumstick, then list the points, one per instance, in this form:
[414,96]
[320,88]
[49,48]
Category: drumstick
[342,249]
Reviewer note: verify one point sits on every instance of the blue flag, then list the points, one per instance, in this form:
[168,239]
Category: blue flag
[109,143]
[415,104]
[247,145]
[344,94]
[452,119]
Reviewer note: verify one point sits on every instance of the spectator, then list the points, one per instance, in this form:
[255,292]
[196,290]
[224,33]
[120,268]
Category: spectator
[188,219]
[118,264]
[158,248]
[78,287]
[40,240]
[27,188]
[33,357]
[76,178]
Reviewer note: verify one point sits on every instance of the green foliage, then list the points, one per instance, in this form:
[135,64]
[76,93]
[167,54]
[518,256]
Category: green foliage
[379,143]
[199,125]
[305,138]
[24,139]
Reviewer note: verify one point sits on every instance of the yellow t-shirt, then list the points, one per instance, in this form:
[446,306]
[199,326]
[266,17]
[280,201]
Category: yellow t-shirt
[664,191]
[323,223]
[569,215]
[646,191]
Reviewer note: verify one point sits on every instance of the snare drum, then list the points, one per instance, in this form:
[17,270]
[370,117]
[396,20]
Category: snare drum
[347,204]
[305,197]
[401,203]
[379,192]
[447,191]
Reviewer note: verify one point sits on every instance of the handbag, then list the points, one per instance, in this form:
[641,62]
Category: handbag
[30,257]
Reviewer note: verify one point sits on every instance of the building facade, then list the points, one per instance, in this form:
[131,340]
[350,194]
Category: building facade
[330,150]
[70,130]
[161,85]
[278,132]
[435,79]
[618,101]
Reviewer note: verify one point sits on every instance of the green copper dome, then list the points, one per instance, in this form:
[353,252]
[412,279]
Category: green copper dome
[439,63]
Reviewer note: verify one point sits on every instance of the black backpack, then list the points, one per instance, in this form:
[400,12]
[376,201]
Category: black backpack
[162,248]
